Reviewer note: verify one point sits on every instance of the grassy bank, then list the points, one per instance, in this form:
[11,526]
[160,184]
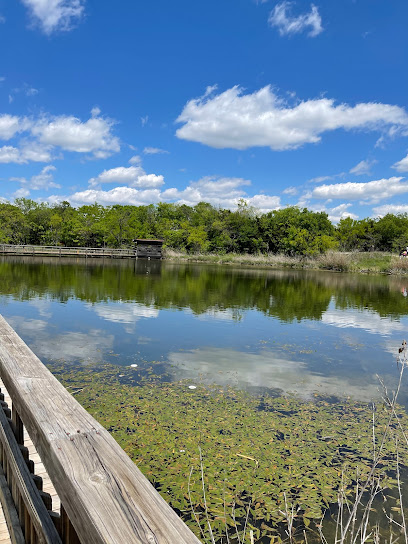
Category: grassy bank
[373,263]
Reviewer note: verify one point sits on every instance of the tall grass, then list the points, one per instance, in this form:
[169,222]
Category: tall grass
[363,262]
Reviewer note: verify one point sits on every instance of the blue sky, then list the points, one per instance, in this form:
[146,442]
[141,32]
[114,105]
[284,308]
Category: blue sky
[281,103]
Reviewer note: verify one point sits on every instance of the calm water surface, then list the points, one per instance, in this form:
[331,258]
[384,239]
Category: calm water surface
[293,331]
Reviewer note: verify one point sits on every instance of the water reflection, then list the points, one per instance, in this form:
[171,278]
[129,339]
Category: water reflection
[266,369]
[288,330]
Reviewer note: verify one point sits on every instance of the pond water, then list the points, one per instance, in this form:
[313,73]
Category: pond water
[305,332]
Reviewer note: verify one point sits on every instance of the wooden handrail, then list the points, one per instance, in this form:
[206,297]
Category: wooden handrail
[105,496]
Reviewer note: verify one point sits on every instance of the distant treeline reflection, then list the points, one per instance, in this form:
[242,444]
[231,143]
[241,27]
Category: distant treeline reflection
[286,295]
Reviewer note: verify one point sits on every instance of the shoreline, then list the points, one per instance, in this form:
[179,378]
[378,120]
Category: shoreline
[336,261]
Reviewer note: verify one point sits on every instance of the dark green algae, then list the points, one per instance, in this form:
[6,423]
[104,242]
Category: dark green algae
[255,448]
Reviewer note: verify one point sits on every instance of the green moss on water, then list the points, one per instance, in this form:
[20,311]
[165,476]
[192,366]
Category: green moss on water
[254,449]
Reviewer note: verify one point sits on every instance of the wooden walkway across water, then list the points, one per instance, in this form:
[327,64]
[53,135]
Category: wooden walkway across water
[57,251]
[63,478]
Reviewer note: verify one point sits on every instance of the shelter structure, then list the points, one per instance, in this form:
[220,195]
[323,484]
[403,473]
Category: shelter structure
[148,248]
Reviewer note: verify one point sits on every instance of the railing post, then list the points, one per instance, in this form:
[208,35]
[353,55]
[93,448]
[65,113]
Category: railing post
[18,427]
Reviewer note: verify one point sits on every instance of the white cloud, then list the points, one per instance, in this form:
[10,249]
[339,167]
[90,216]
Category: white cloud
[370,192]
[402,165]
[154,151]
[225,192]
[216,191]
[236,120]
[36,152]
[10,125]
[9,153]
[287,24]
[339,212]
[118,195]
[21,193]
[55,15]
[291,191]
[136,159]
[42,181]
[320,179]
[363,167]
[134,176]
[264,203]
[380,211]
[29,152]
[144,120]
[70,133]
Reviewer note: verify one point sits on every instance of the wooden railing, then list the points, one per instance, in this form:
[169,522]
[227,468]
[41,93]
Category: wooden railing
[104,496]
[57,251]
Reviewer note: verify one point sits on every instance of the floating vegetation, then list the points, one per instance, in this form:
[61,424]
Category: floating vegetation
[249,456]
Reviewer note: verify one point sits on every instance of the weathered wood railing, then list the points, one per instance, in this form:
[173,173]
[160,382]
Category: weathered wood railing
[104,496]
[57,251]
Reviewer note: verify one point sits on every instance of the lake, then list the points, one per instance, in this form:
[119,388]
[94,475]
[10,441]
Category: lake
[306,332]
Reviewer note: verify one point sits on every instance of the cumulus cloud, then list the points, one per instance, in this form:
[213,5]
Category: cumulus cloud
[10,125]
[93,136]
[340,212]
[55,15]
[380,211]
[42,181]
[402,165]
[224,192]
[288,24]
[363,167]
[133,176]
[118,195]
[216,191]
[29,152]
[369,193]
[236,120]
[154,151]
[71,134]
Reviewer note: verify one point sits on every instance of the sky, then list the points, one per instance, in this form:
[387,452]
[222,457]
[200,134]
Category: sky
[280,103]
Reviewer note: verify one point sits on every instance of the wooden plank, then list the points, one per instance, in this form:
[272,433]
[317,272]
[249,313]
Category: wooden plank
[104,494]
[12,531]
[26,488]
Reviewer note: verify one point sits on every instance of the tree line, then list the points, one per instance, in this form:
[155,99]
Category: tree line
[199,228]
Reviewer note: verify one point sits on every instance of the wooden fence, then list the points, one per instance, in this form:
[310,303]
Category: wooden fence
[104,497]
[57,251]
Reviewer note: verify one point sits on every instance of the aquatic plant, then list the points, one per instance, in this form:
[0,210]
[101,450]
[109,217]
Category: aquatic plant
[255,458]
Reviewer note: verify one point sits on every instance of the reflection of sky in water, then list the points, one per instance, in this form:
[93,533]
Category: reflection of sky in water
[339,354]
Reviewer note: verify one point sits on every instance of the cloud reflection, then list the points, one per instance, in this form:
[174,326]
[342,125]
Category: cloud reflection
[267,369]
[363,319]
[122,312]
[71,346]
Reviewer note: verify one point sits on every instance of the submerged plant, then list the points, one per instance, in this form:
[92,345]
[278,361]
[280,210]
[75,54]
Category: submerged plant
[230,463]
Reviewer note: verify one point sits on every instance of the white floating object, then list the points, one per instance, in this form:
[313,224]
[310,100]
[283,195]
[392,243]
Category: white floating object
[121,375]
[192,387]
[182,451]
[133,366]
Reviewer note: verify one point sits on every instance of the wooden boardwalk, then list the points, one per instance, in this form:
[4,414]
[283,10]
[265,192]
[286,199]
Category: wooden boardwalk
[105,498]
[57,251]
